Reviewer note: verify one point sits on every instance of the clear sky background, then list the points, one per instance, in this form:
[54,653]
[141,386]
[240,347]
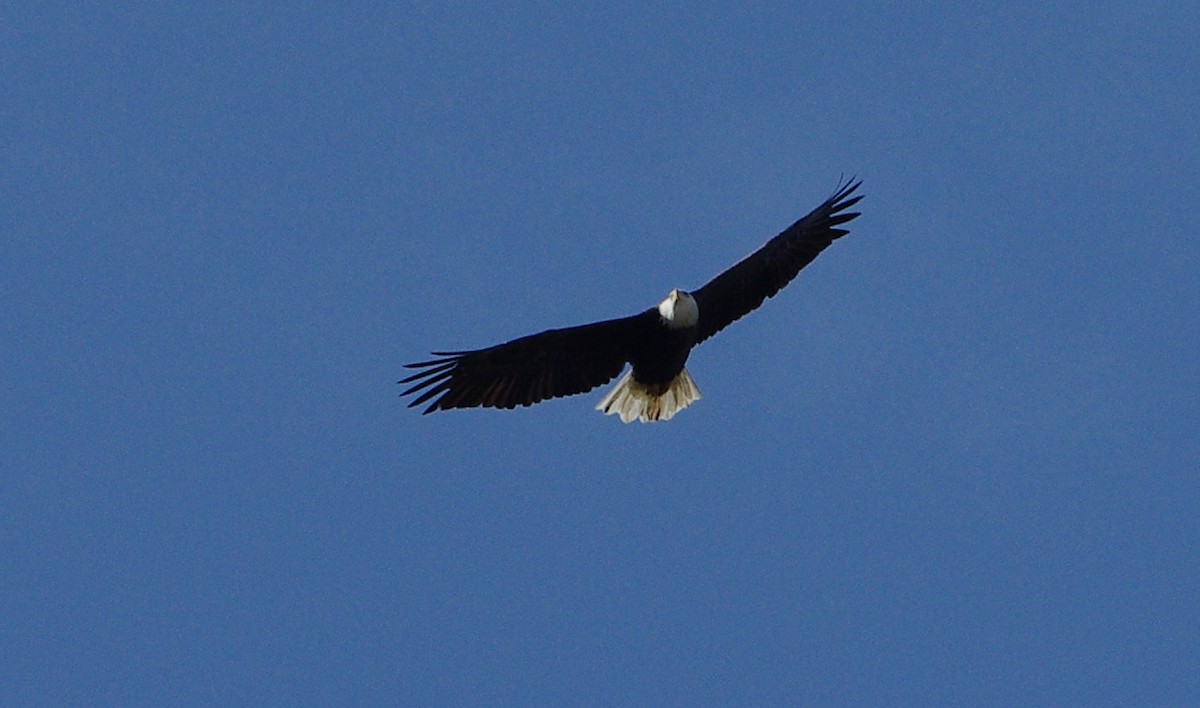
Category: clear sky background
[957,461]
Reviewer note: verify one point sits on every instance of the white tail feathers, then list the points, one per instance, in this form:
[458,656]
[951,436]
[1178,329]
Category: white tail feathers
[633,400]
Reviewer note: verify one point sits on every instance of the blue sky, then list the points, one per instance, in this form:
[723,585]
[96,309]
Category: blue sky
[955,462]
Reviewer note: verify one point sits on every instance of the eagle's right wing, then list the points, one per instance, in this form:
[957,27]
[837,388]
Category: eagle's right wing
[557,362]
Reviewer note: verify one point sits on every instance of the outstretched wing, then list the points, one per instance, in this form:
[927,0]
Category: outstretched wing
[557,362]
[742,288]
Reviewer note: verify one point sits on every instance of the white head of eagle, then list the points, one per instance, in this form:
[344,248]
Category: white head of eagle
[679,310]
[656,342]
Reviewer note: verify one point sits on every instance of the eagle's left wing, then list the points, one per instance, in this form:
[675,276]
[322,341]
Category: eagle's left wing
[742,288]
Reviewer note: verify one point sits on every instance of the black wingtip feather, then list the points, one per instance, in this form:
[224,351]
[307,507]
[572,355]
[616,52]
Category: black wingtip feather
[428,373]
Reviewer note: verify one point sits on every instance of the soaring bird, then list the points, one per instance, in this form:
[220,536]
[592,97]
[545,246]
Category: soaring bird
[657,342]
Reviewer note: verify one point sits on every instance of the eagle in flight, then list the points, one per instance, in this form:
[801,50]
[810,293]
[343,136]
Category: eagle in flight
[656,343]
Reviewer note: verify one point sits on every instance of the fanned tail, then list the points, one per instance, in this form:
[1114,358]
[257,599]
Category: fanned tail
[632,400]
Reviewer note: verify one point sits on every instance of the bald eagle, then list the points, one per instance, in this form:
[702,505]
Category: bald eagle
[564,362]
